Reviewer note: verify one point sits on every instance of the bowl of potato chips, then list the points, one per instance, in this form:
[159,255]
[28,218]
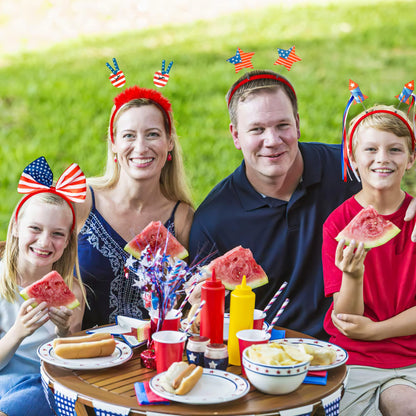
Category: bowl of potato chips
[276,368]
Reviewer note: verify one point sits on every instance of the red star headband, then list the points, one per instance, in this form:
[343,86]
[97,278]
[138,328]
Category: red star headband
[260,76]
[37,178]
[357,96]
[136,93]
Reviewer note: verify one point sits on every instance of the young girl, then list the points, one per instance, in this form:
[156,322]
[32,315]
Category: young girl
[373,315]
[41,237]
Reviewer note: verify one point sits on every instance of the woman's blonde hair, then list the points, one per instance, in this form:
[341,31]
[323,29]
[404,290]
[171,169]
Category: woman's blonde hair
[64,266]
[172,179]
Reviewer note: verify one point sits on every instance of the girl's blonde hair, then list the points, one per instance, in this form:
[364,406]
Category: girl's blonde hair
[64,266]
[384,122]
[172,179]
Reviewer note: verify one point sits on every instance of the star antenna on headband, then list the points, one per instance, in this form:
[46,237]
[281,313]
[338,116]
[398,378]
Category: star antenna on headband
[406,93]
[287,57]
[117,77]
[241,60]
[356,93]
[161,78]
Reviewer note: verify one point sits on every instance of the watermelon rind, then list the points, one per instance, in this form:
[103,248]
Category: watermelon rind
[157,236]
[233,265]
[368,218]
[68,298]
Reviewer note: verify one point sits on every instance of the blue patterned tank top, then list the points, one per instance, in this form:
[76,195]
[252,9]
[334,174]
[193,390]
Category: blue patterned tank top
[101,259]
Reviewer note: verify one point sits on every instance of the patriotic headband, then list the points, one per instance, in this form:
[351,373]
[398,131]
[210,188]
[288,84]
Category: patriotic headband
[136,93]
[259,76]
[37,178]
[357,96]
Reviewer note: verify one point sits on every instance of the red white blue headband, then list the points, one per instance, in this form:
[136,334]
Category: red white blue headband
[250,78]
[137,93]
[37,178]
[357,96]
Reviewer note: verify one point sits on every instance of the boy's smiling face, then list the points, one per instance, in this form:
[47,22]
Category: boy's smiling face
[381,158]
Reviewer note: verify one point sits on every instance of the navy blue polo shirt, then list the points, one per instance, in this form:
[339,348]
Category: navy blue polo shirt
[284,236]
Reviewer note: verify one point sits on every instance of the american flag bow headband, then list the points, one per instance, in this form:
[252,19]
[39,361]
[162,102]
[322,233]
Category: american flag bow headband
[37,178]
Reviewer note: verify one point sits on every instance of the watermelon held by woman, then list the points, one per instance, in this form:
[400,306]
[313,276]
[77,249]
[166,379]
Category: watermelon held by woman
[370,228]
[51,289]
[156,236]
[233,265]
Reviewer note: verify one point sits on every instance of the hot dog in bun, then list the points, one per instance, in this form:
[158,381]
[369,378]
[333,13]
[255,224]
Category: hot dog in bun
[181,377]
[88,346]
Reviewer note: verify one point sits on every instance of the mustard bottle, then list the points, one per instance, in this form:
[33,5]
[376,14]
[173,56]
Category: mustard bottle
[241,317]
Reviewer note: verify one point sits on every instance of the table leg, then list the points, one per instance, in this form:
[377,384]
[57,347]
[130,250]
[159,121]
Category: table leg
[80,409]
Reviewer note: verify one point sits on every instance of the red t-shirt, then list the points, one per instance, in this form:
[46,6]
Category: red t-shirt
[389,287]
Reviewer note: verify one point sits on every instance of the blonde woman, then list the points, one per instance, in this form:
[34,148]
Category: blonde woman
[144,181]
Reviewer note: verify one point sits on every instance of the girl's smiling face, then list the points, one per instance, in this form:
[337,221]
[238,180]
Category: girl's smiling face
[381,158]
[43,231]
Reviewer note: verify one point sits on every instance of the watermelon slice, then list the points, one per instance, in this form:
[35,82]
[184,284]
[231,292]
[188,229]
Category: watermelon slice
[233,265]
[369,227]
[51,289]
[157,236]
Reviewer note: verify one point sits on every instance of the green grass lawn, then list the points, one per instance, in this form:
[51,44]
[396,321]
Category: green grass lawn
[57,102]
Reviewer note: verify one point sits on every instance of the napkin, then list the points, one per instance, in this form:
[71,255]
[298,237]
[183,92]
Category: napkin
[316,377]
[145,395]
[277,334]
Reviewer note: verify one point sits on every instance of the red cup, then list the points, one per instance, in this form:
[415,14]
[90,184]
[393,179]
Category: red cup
[169,347]
[258,319]
[247,337]
[171,322]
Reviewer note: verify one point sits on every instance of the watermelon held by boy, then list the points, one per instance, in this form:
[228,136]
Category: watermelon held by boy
[233,265]
[370,228]
[51,289]
[156,235]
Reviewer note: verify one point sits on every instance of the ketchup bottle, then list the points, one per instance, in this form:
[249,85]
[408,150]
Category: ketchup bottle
[212,313]
[241,317]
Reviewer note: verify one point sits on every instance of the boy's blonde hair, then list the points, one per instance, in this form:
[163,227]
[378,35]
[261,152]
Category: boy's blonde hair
[64,266]
[383,121]
[172,179]
[254,82]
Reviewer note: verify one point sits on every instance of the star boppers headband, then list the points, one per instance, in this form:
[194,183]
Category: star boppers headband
[37,178]
[259,76]
[136,93]
[356,97]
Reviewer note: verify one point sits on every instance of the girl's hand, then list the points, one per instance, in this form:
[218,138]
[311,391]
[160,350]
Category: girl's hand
[356,326]
[61,318]
[30,319]
[350,259]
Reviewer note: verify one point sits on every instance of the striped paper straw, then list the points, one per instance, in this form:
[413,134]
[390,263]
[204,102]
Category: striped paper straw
[275,297]
[195,316]
[282,308]
[193,285]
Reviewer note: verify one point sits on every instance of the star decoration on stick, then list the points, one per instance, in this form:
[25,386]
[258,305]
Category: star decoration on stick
[287,57]
[241,60]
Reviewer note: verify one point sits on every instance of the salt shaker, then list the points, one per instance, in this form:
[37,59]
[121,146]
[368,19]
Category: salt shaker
[216,357]
[195,349]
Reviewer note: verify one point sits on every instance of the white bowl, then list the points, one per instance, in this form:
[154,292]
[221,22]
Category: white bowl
[274,379]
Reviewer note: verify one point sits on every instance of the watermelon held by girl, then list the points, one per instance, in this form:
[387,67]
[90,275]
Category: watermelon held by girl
[51,289]
[370,228]
[233,265]
[156,236]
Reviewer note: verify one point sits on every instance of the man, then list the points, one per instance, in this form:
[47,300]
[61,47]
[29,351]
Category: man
[276,201]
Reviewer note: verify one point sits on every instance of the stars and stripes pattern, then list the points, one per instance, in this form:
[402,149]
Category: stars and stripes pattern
[241,60]
[38,175]
[118,79]
[355,91]
[159,79]
[406,92]
[287,57]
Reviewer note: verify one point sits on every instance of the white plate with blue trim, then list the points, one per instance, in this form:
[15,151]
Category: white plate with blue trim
[121,354]
[214,386]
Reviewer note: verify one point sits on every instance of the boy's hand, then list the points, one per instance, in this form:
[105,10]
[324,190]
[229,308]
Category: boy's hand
[410,214]
[356,326]
[350,259]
